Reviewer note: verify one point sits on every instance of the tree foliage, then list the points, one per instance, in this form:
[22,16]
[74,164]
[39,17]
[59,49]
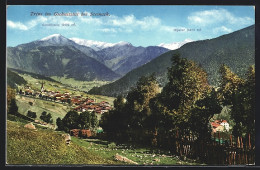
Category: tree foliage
[229,83]
[13,108]
[187,83]
[201,113]
[243,106]
[185,106]
[46,117]
[10,96]
[137,100]
[129,115]
[87,120]
[31,114]
[73,120]
[59,124]
[70,121]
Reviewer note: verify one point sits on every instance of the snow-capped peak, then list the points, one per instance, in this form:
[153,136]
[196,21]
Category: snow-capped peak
[97,45]
[122,43]
[57,39]
[175,45]
[55,36]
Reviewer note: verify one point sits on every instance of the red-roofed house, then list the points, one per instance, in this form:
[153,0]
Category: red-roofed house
[219,126]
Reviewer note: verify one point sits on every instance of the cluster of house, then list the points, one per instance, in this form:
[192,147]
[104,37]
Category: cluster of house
[220,126]
[79,103]
[80,133]
[90,105]
[45,94]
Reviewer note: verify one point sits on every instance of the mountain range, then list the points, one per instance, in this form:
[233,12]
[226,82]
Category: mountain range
[87,60]
[122,57]
[96,45]
[236,50]
[56,60]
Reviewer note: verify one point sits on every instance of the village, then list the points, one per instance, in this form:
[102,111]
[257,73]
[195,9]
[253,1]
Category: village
[78,102]
[81,104]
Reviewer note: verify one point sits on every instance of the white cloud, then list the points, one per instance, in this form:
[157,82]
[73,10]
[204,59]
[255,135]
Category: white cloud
[130,21]
[222,29]
[16,25]
[148,22]
[28,25]
[208,17]
[90,20]
[124,21]
[108,30]
[106,24]
[112,23]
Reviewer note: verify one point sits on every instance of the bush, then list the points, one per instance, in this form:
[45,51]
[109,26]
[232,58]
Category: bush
[112,145]
[31,114]
[46,117]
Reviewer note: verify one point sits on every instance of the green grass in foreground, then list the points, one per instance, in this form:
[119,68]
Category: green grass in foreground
[44,146]
[31,147]
[141,155]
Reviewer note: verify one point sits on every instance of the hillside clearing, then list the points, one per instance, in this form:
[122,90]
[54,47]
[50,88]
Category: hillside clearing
[39,105]
[35,147]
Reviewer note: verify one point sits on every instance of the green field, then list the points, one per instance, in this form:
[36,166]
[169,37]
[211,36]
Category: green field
[67,87]
[44,146]
[56,109]
[79,85]
[39,105]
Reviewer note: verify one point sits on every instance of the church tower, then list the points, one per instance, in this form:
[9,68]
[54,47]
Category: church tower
[42,87]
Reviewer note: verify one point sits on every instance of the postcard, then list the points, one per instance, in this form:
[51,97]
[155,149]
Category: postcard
[130,85]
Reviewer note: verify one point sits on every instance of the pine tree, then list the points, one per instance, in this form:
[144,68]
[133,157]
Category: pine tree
[59,123]
[13,108]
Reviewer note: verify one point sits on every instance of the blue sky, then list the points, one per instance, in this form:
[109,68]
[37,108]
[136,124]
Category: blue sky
[140,25]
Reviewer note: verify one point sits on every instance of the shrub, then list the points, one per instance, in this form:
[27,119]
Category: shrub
[31,114]
[112,145]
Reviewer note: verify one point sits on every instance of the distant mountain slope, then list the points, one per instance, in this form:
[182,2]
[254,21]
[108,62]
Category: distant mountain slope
[237,50]
[58,40]
[58,61]
[13,79]
[120,57]
[34,75]
[123,58]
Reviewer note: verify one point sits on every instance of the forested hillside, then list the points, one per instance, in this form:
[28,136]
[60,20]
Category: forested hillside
[236,50]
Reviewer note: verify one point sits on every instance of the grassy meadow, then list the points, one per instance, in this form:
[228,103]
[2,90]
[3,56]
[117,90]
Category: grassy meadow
[77,84]
[40,105]
[45,146]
